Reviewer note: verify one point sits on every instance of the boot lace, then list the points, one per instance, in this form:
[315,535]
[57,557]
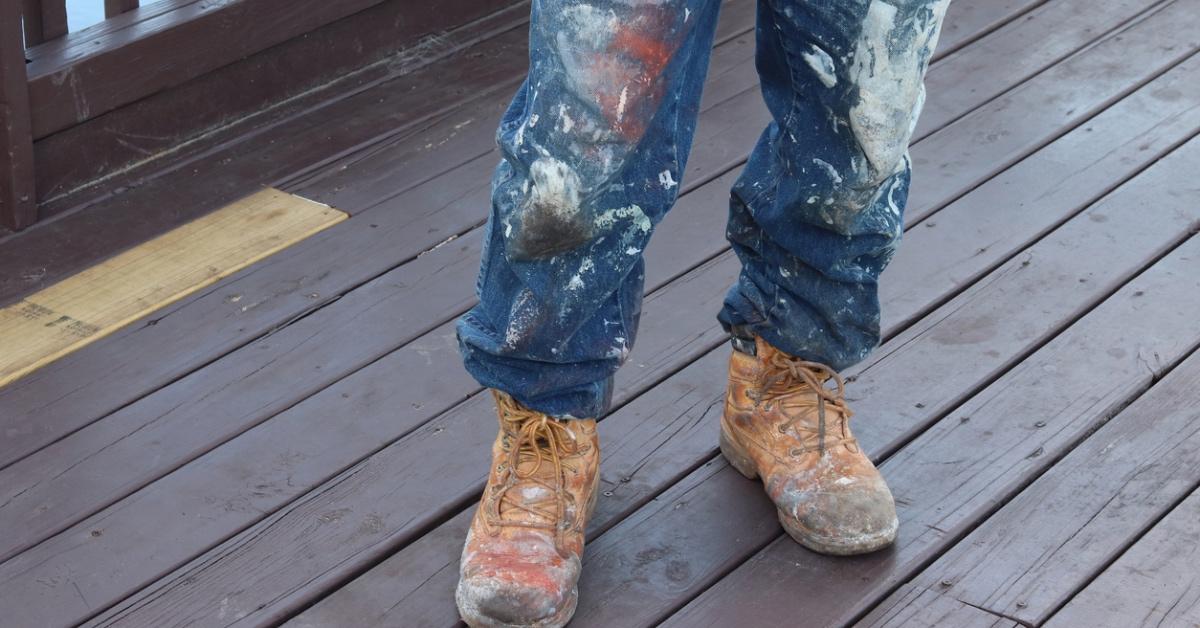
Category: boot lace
[794,387]
[532,437]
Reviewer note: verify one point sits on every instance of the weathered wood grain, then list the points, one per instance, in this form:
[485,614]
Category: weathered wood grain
[992,446]
[1055,101]
[1152,584]
[1043,190]
[1014,324]
[44,408]
[919,608]
[968,343]
[1036,552]
[103,392]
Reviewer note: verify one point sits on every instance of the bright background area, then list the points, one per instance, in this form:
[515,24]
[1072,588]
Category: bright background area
[83,13]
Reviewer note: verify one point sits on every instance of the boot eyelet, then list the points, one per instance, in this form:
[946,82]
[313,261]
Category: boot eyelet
[782,428]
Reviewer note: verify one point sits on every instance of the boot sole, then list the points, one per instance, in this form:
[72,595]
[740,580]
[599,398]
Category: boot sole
[738,459]
[558,620]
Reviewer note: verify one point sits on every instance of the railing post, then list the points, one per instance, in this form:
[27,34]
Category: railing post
[18,205]
[117,7]
[44,20]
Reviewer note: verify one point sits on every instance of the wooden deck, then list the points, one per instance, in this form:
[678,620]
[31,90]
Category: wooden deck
[299,445]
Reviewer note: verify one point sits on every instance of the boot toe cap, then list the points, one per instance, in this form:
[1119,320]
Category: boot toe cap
[518,594]
[853,520]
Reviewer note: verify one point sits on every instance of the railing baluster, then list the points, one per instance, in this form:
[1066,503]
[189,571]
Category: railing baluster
[44,20]
[18,205]
[117,7]
[54,19]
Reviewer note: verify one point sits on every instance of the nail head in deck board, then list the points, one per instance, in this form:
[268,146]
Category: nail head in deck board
[1040,175]
[1031,556]
[941,492]
[1153,583]
[96,302]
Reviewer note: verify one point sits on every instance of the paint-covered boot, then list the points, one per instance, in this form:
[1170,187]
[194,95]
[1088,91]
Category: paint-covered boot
[784,423]
[521,561]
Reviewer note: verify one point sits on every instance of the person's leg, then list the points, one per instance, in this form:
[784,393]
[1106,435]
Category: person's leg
[815,218]
[818,212]
[593,146]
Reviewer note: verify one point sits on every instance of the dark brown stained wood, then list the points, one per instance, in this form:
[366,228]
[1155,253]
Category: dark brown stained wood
[972,21]
[31,16]
[1052,188]
[918,608]
[298,449]
[143,139]
[1038,30]
[111,469]
[400,223]
[362,180]
[1032,556]
[968,342]
[1041,191]
[46,492]
[282,280]
[50,19]
[299,72]
[94,394]
[1062,97]
[975,458]
[456,438]
[113,8]
[18,204]
[263,158]
[84,80]
[1152,584]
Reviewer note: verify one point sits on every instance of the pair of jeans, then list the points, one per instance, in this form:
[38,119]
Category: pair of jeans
[592,149]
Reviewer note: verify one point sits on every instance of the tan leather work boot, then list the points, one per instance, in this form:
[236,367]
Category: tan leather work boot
[522,557]
[784,424]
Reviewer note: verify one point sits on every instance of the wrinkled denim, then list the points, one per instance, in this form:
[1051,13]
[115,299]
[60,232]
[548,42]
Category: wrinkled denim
[592,149]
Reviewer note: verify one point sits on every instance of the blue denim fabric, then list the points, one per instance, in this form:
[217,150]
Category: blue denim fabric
[593,146]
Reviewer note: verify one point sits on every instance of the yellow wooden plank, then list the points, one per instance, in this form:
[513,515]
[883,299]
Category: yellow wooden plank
[100,300]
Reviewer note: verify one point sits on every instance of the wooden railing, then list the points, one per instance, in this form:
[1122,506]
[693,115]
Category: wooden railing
[71,101]
[18,200]
[47,19]
[23,24]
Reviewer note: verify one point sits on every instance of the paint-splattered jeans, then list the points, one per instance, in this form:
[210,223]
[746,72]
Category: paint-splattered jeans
[593,146]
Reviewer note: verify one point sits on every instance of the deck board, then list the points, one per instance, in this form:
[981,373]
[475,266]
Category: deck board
[483,412]
[941,491]
[1040,549]
[245,382]
[1153,584]
[115,372]
[313,456]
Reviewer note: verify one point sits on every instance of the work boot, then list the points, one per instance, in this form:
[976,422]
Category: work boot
[783,423]
[523,551]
